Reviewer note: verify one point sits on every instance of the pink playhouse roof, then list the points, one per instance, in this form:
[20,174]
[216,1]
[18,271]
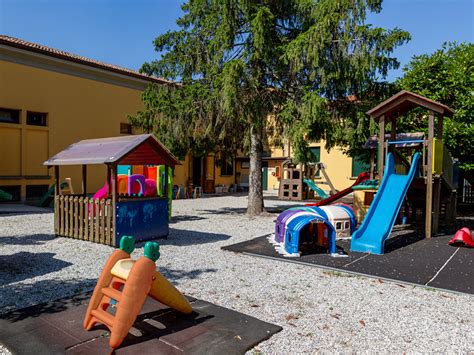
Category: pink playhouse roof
[127,150]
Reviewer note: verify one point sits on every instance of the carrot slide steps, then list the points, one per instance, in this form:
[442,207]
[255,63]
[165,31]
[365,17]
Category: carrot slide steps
[127,283]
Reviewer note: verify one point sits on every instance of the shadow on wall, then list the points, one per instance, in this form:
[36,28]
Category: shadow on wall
[31,239]
[24,265]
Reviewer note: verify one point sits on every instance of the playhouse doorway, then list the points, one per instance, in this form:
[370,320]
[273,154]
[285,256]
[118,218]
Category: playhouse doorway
[313,238]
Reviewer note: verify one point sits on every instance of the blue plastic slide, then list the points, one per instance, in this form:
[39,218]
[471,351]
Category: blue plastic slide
[315,188]
[382,213]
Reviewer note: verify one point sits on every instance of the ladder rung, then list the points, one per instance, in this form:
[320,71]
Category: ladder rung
[112,293]
[103,316]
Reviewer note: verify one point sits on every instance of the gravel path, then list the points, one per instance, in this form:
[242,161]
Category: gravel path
[320,311]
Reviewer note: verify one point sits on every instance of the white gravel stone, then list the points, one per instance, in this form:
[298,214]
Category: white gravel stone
[320,311]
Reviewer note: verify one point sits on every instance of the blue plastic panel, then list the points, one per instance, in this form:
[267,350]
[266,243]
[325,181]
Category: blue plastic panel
[144,219]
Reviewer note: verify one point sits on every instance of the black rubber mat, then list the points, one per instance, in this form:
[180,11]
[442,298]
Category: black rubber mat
[56,328]
[408,258]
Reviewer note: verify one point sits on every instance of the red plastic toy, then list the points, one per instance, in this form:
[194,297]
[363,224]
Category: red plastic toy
[463,237]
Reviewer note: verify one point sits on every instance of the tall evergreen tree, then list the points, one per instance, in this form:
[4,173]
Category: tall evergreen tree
[306,62]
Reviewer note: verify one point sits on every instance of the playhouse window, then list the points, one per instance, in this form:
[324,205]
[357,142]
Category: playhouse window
[338,225]
[346,225]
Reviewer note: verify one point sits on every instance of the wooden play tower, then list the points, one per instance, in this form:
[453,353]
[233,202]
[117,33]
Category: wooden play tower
[436,175]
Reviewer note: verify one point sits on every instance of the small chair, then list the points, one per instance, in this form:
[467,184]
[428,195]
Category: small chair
[197,192]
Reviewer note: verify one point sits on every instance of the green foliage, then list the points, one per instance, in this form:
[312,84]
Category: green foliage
[446,76]
[314,65]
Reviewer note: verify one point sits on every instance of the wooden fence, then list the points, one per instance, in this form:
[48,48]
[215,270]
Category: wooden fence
[84,218]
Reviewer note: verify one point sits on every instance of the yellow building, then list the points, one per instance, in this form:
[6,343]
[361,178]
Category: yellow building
[50,99]
[340,168]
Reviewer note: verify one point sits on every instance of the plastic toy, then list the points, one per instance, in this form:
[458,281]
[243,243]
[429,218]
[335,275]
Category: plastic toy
[360,179]
[462,237]
[302,228]
[381,216]
[126,283]
[136,184]
[6,196]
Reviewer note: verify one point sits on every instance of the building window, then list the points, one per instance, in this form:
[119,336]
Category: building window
[14,191]
[227,166]
[359,165]
[9,116]
[36,118]
[34,192]
[125,128]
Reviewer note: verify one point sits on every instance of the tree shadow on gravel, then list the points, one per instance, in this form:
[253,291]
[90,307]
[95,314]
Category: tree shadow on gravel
[183,237]
[177,276]
[25,265]
[23,295]
[14,299]
[185,218]
[225,210]
[30,239]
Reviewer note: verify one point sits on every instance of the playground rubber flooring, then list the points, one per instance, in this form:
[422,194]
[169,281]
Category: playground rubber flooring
[56,328]
[408,259]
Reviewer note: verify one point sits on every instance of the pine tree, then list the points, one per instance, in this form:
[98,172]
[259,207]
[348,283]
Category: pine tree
[239,61]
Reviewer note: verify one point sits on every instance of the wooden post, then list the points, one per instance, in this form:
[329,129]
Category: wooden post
[57,191]
[439,131]
[393,129]
[57,185]
[429,177]
[436,203]
[84,180]
[165,193]
[114,202]
[381,145]
[109,185]
[372,164]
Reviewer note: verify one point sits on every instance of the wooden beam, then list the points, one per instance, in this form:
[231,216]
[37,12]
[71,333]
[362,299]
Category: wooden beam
[393,129]
[114,202]
[436,203]
[439,131]
[372,164]
[166,182]
[381,146]
[84,180]
[57,184]
[110,189]
[429,177]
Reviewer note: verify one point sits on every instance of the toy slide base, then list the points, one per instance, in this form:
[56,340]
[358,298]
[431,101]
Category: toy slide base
[161,289]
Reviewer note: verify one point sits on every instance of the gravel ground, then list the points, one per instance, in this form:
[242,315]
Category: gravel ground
[320,311]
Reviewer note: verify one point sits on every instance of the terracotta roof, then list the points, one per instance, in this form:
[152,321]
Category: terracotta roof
[56,53]
[122,149]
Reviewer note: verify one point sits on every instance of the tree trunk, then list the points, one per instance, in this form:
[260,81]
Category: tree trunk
[255,204]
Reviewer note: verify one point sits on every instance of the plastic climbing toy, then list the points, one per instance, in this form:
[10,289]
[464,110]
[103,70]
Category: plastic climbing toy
[463,237]
[126,283]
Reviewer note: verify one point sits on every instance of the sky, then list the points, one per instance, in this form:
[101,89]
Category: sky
[121,31]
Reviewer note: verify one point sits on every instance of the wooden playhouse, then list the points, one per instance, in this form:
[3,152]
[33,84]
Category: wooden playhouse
[105,220]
